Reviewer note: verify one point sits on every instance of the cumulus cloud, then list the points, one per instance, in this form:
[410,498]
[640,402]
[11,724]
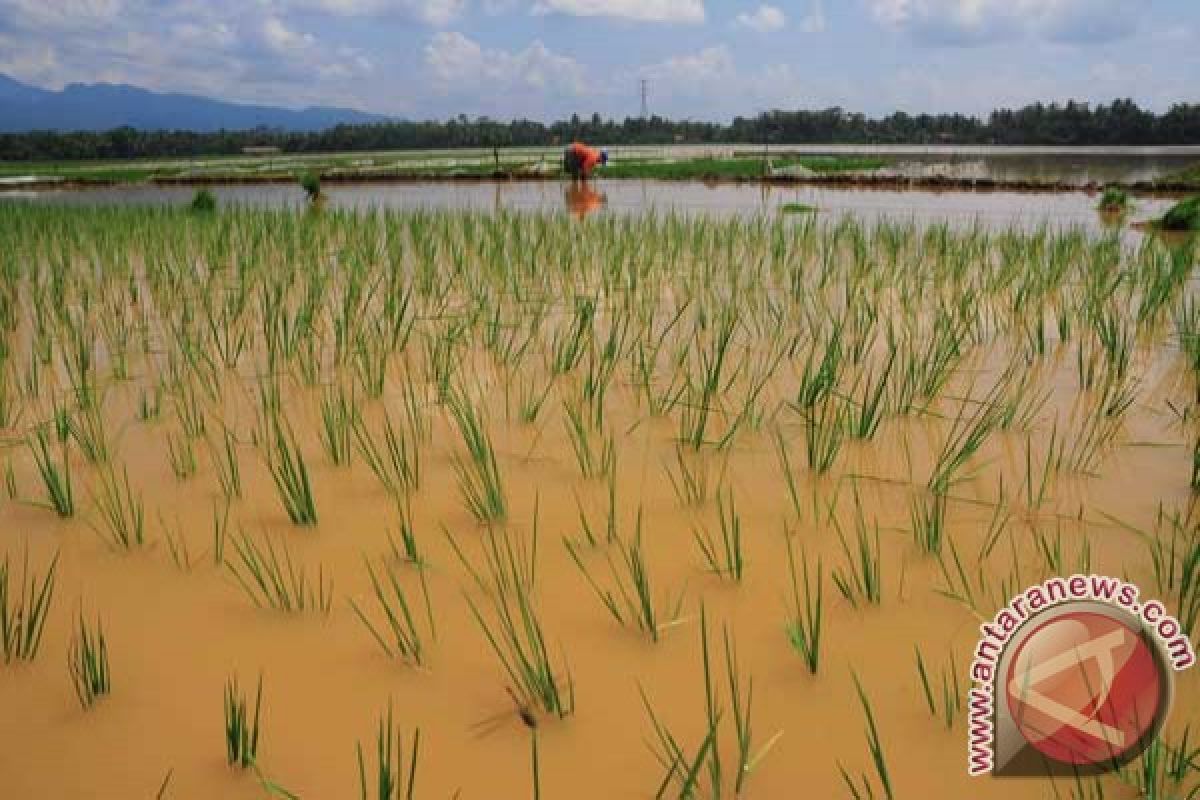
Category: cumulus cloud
[966,22]
[764,19]
[457,61]
[691,11]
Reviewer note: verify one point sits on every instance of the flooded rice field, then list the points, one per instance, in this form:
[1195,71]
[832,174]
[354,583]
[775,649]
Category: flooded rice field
[686,505]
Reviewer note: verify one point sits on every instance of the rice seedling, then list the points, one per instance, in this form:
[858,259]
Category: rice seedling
[56,477]
[860,579]
[593,461]
[241,728]
[479,478]
[401,638]
[271,579]
[683,770]
[396,462]
[24,607]
[805,623]
[87,429]
[863,787]
[337,423]
[408,550]
[87,663]
[946,704]
[694,477]
[182,456]
[229,470]
[122,513]
[1176,564]
[928,516]
[632,600]
[513,628]
[391,780]
[177,546]
[290,473]
[966,436]
[825,426]
[725,558]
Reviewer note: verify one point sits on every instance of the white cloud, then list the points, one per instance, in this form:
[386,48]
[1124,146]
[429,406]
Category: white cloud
[765,19]
[638,10]
[438,13]
[281,39]
[459,62]
[694,73]
[964,22]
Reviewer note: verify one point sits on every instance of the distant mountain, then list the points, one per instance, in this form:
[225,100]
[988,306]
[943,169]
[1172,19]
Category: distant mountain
[103,106]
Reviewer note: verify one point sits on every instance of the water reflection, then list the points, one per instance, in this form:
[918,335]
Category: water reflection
[994,210]
[582,199]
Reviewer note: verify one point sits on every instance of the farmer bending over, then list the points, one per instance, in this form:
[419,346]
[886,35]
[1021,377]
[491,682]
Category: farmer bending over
[579,160]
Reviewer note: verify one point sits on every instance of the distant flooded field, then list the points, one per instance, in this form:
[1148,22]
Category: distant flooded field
[994,210]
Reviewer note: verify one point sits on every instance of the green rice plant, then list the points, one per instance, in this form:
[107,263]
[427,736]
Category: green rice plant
[946,704]
[220,528]
[513,628]
[805,623]
[229,469]
[479,478]
[968,431]
[714,381]
[694,478]
[337,424]
[1113,199]
[396,462]
[87,429]
[203,202]
[177,546]
[862,788]
[188,410]
[1166,771]
[24,607]
[869,405]
[928,515]
[1175,559]
[149,404]
[724,558]
[631,601]
[122,513]
[568,346]
[825,426]
[56,478]
[683,770]
[290,473]
[408,550]
[271,579]
[182,456]
[403,640]
[391,780]
[593,462]
[861,578]
[241,729]
[87,663]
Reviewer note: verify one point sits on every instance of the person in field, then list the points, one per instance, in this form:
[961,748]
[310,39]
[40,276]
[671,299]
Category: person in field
[579,160]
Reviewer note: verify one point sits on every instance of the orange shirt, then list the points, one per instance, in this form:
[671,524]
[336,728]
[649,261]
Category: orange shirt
[588,157]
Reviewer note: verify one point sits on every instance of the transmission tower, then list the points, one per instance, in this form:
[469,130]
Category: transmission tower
[645,103]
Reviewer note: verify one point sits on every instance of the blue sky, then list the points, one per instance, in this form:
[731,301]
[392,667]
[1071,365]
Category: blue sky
[704,59]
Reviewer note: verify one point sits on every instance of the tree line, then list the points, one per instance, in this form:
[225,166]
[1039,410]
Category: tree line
[1120,123]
